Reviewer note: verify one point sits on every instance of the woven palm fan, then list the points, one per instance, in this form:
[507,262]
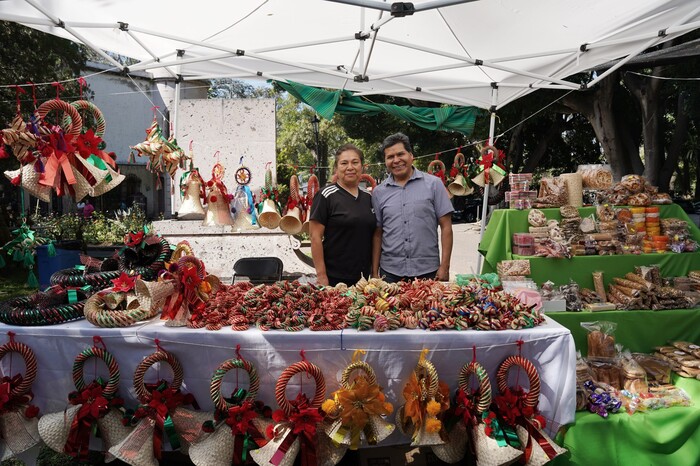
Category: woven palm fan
[300,415]
[291,223]
[18,419]
[239,424]
[418,418]
[539,448]
[159,415]
[93,405]
[109,309]
[312,187]
[357,410]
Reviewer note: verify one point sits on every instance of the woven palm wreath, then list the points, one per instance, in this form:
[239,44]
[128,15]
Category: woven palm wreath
[93,405]
[160,414]
[143,255]
[427,398]
[239,424]
[517,410]
[18,418]
[298,425]
[54,306]
[111,308]
[357,410]
[469,431]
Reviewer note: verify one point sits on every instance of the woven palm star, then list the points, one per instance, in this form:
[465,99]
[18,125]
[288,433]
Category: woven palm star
[18,138]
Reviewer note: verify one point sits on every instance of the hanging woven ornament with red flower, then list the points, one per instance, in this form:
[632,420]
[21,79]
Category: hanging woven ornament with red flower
[269,206]
[437,168]
[459,185]
[293,219]
[18,417]
[240,421]
[297,428]
[357,411]
[160,416]
[94,406]
[491,166]
[517,410]
[218,199]
[192,193]
[312,187]
[193,289]
[426,400]
[164,155]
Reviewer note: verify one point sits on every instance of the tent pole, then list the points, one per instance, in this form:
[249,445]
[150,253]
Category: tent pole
[174,118]
[485,203]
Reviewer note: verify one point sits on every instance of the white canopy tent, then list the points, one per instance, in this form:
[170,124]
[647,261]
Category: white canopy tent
[483,53]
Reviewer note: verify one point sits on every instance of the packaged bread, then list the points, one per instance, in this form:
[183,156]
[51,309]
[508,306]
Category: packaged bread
[513,267]
[568,211]
[657,369]
[601,339]
[633,183]
[536,218]
[661,198]
[634,376]
[599,285]
[606,370]
[688,347]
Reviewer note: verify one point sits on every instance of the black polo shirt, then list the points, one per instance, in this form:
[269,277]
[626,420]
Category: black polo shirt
[349,225]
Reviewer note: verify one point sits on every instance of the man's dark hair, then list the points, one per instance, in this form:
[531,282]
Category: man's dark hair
[395,139]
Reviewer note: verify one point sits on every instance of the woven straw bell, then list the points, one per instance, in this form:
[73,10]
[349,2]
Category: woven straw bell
[269,215]
[191,207]
[291,223]
[19,434]
[30,182]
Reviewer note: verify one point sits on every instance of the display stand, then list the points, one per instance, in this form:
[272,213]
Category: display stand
[496,246]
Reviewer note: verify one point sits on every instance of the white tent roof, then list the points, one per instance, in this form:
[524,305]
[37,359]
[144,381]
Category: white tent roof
[450,54]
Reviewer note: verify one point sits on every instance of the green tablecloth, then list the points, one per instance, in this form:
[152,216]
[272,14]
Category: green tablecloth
[496,246]
[638,331]
[667,437]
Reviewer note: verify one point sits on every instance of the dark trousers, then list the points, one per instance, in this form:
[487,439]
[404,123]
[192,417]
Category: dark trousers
[391,278]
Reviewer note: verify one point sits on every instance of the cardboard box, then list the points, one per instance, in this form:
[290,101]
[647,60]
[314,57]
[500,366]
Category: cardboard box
[555,305]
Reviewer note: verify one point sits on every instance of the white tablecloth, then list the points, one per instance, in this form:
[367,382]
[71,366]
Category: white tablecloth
[393,355]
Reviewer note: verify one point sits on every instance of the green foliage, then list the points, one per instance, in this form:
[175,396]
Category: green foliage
[228,88]
[65,227]
[101,229]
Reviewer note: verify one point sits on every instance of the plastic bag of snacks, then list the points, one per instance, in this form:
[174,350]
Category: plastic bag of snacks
[601,338]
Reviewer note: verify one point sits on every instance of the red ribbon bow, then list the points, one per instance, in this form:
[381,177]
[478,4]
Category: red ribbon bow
[94,405]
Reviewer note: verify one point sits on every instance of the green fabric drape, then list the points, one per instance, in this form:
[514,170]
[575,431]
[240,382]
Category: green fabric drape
[327,103]
[496,246]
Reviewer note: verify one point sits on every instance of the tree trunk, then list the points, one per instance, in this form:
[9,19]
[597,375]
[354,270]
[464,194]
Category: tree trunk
[680,137]
[646,92]
[541,149]
[515,149]
[597,106]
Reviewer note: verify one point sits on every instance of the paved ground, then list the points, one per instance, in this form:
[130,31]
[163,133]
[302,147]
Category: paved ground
[464,249]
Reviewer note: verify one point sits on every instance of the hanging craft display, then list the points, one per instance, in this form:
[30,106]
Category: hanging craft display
[312,187]
[53,306]
[518,410]
[269,208]
[94,406]
[298,424]
[192,194]
[18,417]
[164,155]
[22,249]
[128,302]
[244,212]
[19,140]
[459,176]
[218,199]
[491,168]
[369,181]
[293,219]
[239,423]
[437,168]
[357,411]
[426,400]
[159,415]
[193,288]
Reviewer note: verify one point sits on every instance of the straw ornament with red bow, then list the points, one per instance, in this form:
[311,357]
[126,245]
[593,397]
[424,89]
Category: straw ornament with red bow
[193,289]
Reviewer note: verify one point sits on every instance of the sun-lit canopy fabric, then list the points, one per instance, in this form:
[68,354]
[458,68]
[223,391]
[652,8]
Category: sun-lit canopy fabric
[451,54]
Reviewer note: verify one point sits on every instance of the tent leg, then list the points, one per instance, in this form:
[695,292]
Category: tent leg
[485,203]
[175,114]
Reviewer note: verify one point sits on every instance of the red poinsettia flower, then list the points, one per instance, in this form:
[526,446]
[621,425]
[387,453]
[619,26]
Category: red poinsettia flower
[124,283]
[31,411]
[88,143]
[190,278]
[240,417]
[133,238]
[305,421]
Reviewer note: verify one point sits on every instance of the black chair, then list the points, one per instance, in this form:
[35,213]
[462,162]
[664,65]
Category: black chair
[258,269]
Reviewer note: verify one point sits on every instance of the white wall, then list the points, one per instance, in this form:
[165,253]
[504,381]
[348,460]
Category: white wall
[235,128]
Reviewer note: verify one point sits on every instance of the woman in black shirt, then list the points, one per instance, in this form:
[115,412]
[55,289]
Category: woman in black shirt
[342,223]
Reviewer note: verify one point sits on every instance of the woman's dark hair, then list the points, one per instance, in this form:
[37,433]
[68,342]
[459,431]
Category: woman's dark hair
[395,139]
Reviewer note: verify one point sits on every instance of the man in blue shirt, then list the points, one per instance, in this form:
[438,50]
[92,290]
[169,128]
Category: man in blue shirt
[409,206]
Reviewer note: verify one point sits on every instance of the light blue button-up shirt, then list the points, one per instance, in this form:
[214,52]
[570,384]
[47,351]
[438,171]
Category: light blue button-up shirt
[408,216]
